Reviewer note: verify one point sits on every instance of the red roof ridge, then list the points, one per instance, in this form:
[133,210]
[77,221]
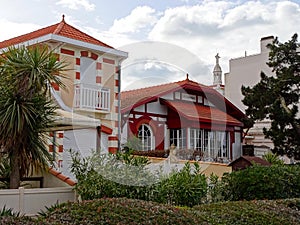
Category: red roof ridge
[62,177]
[182,82]
[62,28]
[60,25]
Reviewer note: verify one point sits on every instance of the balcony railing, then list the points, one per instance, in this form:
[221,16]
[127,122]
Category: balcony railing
[92,97]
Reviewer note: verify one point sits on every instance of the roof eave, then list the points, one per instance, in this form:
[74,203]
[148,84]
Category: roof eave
[55,37]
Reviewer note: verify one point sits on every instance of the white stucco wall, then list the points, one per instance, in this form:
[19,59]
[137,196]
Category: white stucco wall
[157,108]
[82,141]
[245,71]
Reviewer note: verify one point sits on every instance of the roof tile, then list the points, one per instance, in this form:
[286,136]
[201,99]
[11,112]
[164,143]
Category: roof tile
[62,177]
[62,29]
[132,97]
[198,112]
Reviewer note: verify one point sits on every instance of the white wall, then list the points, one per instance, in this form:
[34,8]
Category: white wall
[245,71]
[104,143]
[236,146]
[157,108]
[82,141]
[32,201]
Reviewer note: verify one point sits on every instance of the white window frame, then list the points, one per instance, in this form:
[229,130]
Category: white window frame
[146,141]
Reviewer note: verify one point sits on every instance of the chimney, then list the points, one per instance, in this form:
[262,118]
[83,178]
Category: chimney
[264,41]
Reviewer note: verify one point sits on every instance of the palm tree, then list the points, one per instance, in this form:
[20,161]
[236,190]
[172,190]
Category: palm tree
[26,108]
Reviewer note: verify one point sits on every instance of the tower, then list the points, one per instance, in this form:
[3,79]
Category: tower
[217,72]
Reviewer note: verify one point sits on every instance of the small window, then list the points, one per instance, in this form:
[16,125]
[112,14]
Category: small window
[177,95]
[188,97]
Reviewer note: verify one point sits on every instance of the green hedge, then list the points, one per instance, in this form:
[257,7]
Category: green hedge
[124,211]
[274,182]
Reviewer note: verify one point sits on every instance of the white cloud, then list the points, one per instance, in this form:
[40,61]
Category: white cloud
[13,29]
[77,4]
[139,18]
[230,28]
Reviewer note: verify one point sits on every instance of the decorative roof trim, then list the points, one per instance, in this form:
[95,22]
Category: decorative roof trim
[71,41]
[62,177]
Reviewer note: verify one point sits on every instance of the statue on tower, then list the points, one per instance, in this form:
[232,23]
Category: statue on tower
[217,72]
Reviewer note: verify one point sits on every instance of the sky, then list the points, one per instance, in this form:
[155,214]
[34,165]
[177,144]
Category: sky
[165,39]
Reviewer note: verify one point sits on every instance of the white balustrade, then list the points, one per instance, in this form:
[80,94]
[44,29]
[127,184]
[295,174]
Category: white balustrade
[92,97]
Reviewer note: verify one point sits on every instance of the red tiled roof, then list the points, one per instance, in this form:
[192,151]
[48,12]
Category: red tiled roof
[62,29]
[198,112]
[62,177]
[137,97]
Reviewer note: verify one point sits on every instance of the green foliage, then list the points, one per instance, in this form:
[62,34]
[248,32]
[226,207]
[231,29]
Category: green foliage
[185,188]
[128,211]
[133,143]
[8,212]
[101,176]
[26,109]
[128,158]
[215,189]
[4,171]
[258,182]
[273,159]
[277,97]
[107,176]
[279,212]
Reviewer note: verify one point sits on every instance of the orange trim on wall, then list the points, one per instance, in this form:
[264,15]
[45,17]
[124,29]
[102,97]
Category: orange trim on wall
[98,79]
[60,148]
[113,138]
[77,76]
[84,53]
[94,56]
[109,61]
[98,66]
[112,150]
[106,129]
[67,51]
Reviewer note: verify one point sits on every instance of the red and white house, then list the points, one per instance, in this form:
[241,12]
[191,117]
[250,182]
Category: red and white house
[89,106]
[184,113]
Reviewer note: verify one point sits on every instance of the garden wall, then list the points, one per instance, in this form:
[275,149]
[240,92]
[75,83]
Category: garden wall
[31,201]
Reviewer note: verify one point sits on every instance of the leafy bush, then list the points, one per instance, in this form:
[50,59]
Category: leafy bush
[273,159]
[121,175]
[4,171]
[259,182]
[8,216]
[186,188]
[118,211]
[262,212]
[215,189]
[128,211]
[111,175]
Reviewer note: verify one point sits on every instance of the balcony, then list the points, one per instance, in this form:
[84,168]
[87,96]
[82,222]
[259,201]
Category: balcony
[92,97]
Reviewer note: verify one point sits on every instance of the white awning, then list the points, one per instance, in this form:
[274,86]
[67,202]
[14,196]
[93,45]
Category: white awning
[65,120]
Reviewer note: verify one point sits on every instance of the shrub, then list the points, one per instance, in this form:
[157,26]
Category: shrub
[273,159]
[111,175]
[259,182]
[186,188]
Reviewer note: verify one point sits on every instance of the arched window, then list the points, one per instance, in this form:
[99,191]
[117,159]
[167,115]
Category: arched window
[145,135]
